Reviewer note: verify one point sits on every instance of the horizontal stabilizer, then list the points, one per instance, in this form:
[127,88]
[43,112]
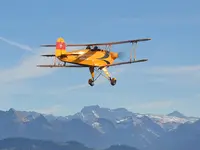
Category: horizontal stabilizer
[62,66]
[62,55]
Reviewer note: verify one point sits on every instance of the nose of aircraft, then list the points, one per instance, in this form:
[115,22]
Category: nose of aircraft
[114,55]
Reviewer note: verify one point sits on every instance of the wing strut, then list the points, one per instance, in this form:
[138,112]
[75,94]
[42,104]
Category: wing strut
[134,51]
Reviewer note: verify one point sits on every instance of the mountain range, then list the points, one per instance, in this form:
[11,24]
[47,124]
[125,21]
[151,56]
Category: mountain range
[99,127]
[33,144]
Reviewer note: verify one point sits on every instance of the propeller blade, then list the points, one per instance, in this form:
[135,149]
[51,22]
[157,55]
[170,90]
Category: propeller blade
[121,55]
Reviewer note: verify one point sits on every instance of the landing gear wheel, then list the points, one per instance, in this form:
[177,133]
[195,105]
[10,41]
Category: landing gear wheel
[113,81]
[91,82]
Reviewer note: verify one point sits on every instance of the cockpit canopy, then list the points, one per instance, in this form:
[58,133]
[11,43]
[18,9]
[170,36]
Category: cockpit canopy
[93,49]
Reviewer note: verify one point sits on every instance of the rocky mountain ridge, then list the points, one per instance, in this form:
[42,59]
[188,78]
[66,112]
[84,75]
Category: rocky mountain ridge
[94,126]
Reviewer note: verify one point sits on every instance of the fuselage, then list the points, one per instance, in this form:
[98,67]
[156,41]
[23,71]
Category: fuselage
[89,57]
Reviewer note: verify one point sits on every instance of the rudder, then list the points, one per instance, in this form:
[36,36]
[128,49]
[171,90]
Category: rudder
[60,47]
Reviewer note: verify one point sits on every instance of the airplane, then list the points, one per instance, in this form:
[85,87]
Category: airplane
[92,57]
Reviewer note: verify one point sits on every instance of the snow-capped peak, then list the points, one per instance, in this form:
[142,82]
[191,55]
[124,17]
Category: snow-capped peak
[177,114]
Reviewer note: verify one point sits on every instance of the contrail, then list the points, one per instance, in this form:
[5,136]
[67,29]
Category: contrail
[21,46]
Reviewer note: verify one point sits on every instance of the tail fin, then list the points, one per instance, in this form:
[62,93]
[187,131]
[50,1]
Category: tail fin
[60,47]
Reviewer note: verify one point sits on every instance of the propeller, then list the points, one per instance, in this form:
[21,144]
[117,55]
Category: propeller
[121,55]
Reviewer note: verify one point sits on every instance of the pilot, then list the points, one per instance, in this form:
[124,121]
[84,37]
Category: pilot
[95,48]
[88,47]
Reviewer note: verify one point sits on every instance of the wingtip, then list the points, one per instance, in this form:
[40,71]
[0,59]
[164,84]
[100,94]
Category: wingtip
[147,39]
[47,45]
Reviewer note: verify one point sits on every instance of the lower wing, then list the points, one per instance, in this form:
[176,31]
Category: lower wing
[80,66]
[127,62]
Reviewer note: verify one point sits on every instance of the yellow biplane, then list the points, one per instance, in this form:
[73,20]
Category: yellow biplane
[93,57]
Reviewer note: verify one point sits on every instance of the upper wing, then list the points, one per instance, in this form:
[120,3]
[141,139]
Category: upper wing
[127,62]
[62,66]
[98,44]
[53,55]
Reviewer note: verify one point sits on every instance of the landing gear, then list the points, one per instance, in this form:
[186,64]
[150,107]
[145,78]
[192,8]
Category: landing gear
[107,76]
[91,82]
[113,81]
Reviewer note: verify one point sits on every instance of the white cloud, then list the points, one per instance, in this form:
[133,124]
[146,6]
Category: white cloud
[173,74]
[114,72]
[175,70]
[50,110]
[100,80]
[156,104]
[26,68]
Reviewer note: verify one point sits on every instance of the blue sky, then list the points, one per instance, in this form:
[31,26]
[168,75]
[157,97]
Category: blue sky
[168,81]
